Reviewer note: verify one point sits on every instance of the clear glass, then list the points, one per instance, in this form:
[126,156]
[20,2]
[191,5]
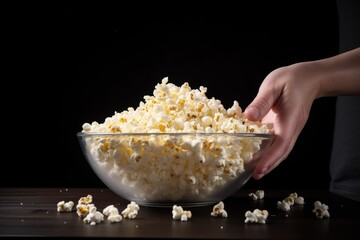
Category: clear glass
[163,169]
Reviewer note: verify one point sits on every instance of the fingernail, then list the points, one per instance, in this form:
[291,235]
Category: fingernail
[263,172]
[254,112]
[260,176]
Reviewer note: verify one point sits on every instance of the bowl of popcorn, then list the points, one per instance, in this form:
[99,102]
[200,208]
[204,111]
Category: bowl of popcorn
[177,147]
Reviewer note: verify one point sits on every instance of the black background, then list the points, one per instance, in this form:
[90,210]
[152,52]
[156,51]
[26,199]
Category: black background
[68,65]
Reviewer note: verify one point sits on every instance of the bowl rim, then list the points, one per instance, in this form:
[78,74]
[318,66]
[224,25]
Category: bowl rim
[108,134]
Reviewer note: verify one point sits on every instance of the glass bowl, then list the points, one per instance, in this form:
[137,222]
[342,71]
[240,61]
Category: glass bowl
[164,169]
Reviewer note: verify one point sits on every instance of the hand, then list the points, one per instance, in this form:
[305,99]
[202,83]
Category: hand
[286,95]
[284,99]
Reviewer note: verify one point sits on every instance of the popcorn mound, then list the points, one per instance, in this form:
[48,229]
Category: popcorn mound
[171,147]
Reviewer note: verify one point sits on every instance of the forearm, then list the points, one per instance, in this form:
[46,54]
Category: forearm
[339,75]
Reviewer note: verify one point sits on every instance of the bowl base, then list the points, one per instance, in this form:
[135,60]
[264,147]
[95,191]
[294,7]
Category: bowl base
[171,204]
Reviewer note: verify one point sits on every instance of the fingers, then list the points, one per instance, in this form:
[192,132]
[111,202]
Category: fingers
[263,102]
[277,152]
[287,129]
[281,101]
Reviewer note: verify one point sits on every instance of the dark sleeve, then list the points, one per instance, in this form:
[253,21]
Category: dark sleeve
[349,24]
[345,158]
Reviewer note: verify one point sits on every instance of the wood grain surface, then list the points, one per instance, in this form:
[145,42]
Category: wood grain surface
[32,212]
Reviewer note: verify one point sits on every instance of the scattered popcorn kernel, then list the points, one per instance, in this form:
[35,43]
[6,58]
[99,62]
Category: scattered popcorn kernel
[289,201]
[65,206]
[299,200]
[82,210]
[109,209]
[261,215]
[253,196]
[285,206]
[219,211]
[114,218]
[87,210]
[94,216]
[112,214]
[250,217]
[321,210]
[131,211]
[293,195]
[256,216]
[85,200]
[176,212]
[179,214]
[259,194]
[84,205]
[185,215]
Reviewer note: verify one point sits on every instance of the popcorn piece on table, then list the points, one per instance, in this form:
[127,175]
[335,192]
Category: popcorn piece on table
[295,198]
[285,206]
[321,210]
[256,216]
[131,211]
[83,206]
[261,215]
[63,206]
[250,217]
[289,201]
[114,218]
[82,210]
[86,200]
[219,211]
[93,217]
[178,213]
[299,200]
[253,196]
[259,194]
[112,214]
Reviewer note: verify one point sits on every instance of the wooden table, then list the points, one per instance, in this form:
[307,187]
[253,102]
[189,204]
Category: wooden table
[32,212]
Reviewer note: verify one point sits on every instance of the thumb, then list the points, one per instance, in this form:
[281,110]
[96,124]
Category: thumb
[260,106]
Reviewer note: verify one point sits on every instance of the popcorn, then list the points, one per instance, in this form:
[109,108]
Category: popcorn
[283,205]
[94,216]
[110,209]
[84,205]
[154,167]
[256,216]
[112,214]
[86,200]
[250,217]
[219,211]
[63,206]
[299,200]
[131,211]
[179,214]
[259,194]
[87,210]
[114,218]
[321,210]
[289,201]
[82,210]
